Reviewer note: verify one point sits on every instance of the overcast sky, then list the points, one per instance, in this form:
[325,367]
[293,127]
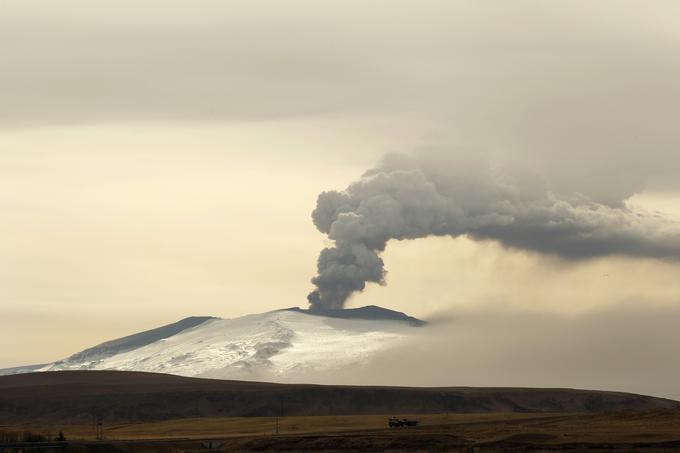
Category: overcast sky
[161,159]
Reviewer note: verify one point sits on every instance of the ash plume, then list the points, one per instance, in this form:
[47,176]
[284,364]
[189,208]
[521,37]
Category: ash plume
[410,197]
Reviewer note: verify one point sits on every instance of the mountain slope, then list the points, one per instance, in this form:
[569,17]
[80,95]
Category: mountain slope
[71,396]
[120,345]
[281,345]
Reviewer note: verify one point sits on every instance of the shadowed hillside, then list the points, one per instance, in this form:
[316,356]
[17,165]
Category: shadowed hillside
[74,396]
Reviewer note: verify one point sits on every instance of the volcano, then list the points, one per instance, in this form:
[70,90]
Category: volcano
[281,345]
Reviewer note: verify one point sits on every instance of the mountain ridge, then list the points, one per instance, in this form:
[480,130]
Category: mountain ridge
[129,342]
[74,396]
[368,312]
[274,345]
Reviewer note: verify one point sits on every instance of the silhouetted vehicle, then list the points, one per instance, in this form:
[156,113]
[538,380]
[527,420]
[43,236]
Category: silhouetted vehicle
[395,422]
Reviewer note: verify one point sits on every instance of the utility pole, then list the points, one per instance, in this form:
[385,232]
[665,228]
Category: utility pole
[100,427]
[278,415]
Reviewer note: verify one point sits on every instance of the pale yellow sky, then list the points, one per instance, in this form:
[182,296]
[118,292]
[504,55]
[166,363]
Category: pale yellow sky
[159,160]
[110,229]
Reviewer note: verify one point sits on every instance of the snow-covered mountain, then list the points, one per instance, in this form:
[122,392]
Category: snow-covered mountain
[282,345]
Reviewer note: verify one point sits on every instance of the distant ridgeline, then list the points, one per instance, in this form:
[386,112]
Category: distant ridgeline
[369,312]
[130,396]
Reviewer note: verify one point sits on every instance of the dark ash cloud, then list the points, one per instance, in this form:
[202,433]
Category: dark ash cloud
[410,197]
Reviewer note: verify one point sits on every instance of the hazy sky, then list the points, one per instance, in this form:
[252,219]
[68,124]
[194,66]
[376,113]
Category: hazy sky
[161,159]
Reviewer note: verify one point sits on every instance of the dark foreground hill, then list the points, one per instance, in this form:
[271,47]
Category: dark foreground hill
[75,396]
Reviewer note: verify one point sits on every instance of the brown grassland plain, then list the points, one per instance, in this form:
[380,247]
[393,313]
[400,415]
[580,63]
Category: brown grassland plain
[621,431]
[217,427]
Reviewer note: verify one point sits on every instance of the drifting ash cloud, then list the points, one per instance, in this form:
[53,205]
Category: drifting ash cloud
[628,346]
[410,197]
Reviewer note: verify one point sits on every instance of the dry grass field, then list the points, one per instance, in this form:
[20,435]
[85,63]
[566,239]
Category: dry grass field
[628,431]
[218,427]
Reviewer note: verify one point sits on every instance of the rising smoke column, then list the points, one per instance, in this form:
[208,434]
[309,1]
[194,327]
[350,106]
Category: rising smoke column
[409,197]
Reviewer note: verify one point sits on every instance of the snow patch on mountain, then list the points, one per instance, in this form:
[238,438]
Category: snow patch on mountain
[283,345]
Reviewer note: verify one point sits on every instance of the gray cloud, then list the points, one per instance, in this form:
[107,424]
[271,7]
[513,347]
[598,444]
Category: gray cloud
[410,197]
[627,346]
[591,103]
